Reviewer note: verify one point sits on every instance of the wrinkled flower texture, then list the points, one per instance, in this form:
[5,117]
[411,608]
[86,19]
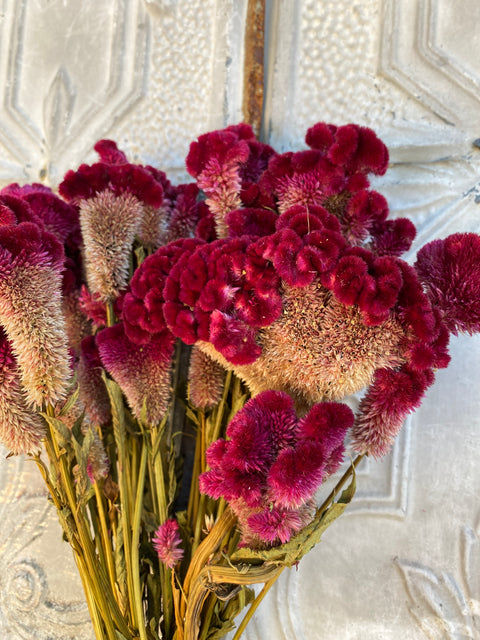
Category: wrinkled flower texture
[300,287]
[283,268]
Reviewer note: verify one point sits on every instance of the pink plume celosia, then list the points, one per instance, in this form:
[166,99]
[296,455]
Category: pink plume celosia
[109,224]
[93,393]
[98,464]
[206,378]
[166,543]
[214,160]
[31,264]
[142,372]
[392,396]
[21,429]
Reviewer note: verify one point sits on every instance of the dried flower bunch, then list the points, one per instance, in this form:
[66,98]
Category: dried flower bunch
[240,309]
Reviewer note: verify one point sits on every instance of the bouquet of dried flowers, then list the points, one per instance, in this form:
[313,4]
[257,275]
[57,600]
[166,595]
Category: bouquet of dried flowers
[174,359]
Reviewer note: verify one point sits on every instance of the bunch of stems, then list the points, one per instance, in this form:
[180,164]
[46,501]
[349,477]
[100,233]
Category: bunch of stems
[109,524]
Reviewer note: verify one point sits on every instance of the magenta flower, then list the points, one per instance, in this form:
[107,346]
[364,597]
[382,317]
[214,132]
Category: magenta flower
[109,224]
[449,269]
[304,291]
[166,543]
[143,373]
[225,163]
[272,463]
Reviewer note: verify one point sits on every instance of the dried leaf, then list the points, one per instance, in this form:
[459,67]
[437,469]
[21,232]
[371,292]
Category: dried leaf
[293,551]
[118,415]
[62,432]
[192,416]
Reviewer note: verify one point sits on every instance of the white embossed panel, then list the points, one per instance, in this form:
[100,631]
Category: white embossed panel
[154,74]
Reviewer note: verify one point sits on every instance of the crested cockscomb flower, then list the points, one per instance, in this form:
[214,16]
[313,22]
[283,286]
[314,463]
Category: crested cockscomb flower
[142,372]
[166,543]
[272,463]
[304,292]
[58,217]
[206,379]
[21,429]
[31,264]
[109,224]
[319,349]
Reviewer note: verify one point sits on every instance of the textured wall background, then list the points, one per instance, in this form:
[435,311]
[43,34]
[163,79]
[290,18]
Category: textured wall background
[154,74]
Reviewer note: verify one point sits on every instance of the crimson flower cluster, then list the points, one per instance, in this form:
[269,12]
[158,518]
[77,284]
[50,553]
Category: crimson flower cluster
[272,463]
[305,256]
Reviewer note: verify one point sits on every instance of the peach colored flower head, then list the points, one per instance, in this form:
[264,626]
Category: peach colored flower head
[21,429]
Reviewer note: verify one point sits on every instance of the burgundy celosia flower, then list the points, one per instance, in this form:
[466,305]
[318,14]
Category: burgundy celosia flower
[449,269]
[31,264]
[21,429]
[392,396]
[271,465]
[215,161]
[166,543]
[304,291]
[57,216]
[143,373]
[119,179]
[224,163]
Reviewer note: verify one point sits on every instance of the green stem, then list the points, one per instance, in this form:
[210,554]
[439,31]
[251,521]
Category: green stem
[106,541]
[255,604]
[110,314]
[127,529]
[162,515]
[137,588]
[349,472]
[93,568]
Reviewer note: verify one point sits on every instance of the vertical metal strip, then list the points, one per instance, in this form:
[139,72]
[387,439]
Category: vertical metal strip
[253,74]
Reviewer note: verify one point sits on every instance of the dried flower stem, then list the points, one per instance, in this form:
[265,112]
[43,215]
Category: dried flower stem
[156,463]
[136,525]
[106,540]
[98,583]
[255,604]
[123,483]
[348,473]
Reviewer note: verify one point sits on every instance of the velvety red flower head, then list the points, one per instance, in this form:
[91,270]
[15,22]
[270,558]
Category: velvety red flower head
[58,217]
[272,463]
[450,271]
[357,149]
[117,177]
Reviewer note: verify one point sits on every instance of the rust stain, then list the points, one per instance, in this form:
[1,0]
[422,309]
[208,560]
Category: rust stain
[253,64]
